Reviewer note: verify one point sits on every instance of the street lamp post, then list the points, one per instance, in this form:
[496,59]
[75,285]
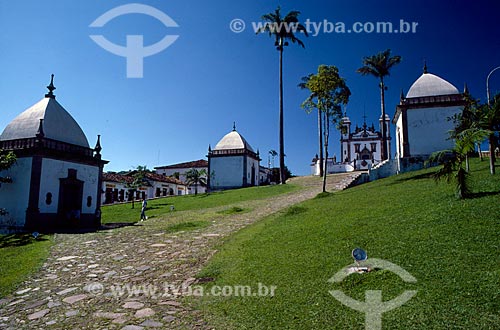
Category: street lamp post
[488,84]
[492,147]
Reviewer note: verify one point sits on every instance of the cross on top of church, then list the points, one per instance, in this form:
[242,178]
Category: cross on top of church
[364,119]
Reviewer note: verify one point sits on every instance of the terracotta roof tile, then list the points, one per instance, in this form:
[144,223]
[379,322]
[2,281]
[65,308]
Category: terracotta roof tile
[193,164]
[163,178]
[115,177]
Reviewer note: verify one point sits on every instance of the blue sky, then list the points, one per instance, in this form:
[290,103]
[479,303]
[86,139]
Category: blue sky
[191,92]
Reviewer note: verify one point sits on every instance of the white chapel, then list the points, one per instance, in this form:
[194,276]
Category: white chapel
[232,163]
[56,181]
[422,118]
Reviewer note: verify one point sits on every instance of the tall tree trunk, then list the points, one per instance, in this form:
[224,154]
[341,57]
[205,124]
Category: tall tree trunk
[491,140]
[320,136]
[384,133]
[479,151]
[327,133]
[281,133]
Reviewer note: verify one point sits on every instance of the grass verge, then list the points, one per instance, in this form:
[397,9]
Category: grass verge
[450,246]
[21,256]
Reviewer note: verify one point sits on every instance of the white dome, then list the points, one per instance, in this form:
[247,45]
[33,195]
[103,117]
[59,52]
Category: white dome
[233,140]
[58,124]
[431,85]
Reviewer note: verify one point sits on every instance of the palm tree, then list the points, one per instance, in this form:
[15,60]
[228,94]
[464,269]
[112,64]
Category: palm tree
[196,177]
[303,85]
[379,66]
[283,29]
[466,119]
[454,161]
[273,154]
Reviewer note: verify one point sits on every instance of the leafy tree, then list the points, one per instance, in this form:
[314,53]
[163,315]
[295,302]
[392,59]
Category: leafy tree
[176,175]
[454,160]
[283,29]
[138,175]
[302,85]
[379,66]
[7,159]
[275,174]
[196,177]
[329,92]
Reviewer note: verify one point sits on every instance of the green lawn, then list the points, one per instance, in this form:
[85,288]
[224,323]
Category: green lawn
[158,207]
[21,255]
[450,246]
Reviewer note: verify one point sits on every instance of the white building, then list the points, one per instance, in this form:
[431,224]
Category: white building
[422,117]
[360,149]
[233,163]
[117,189]
[56,181]
[181,169]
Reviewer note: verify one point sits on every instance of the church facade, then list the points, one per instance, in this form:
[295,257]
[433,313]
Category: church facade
[56,181]
[422,117]
[360,149]
[233,163]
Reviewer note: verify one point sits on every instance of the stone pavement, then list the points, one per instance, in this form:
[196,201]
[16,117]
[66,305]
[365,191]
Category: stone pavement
[83,284]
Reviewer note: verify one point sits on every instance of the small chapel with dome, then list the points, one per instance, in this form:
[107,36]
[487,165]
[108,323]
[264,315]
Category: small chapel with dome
[232,163]
[56,180]
[422,117]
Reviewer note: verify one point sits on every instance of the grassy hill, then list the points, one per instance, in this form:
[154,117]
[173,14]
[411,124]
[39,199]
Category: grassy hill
[161,207]
[450,246]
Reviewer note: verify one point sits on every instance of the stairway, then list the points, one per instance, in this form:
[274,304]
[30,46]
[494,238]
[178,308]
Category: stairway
[351,179]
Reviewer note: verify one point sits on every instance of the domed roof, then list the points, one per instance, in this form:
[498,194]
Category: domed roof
[233,140]
[58,124]
[431,85]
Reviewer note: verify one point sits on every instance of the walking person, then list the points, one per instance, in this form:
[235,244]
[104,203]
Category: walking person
[143,209]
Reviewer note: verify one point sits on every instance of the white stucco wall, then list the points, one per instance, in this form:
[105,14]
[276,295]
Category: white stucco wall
[332,168]
[399,137]
[227,171]
[114,185]
[182,177]
[14,196]
[53,170]
[428,129]
[252,162]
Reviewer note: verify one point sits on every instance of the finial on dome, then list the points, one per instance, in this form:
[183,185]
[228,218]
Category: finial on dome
[40,133]
[425,66]
[402,95]
[51,88]
[466,88]
[234,126]
[98,147]
[209,148]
